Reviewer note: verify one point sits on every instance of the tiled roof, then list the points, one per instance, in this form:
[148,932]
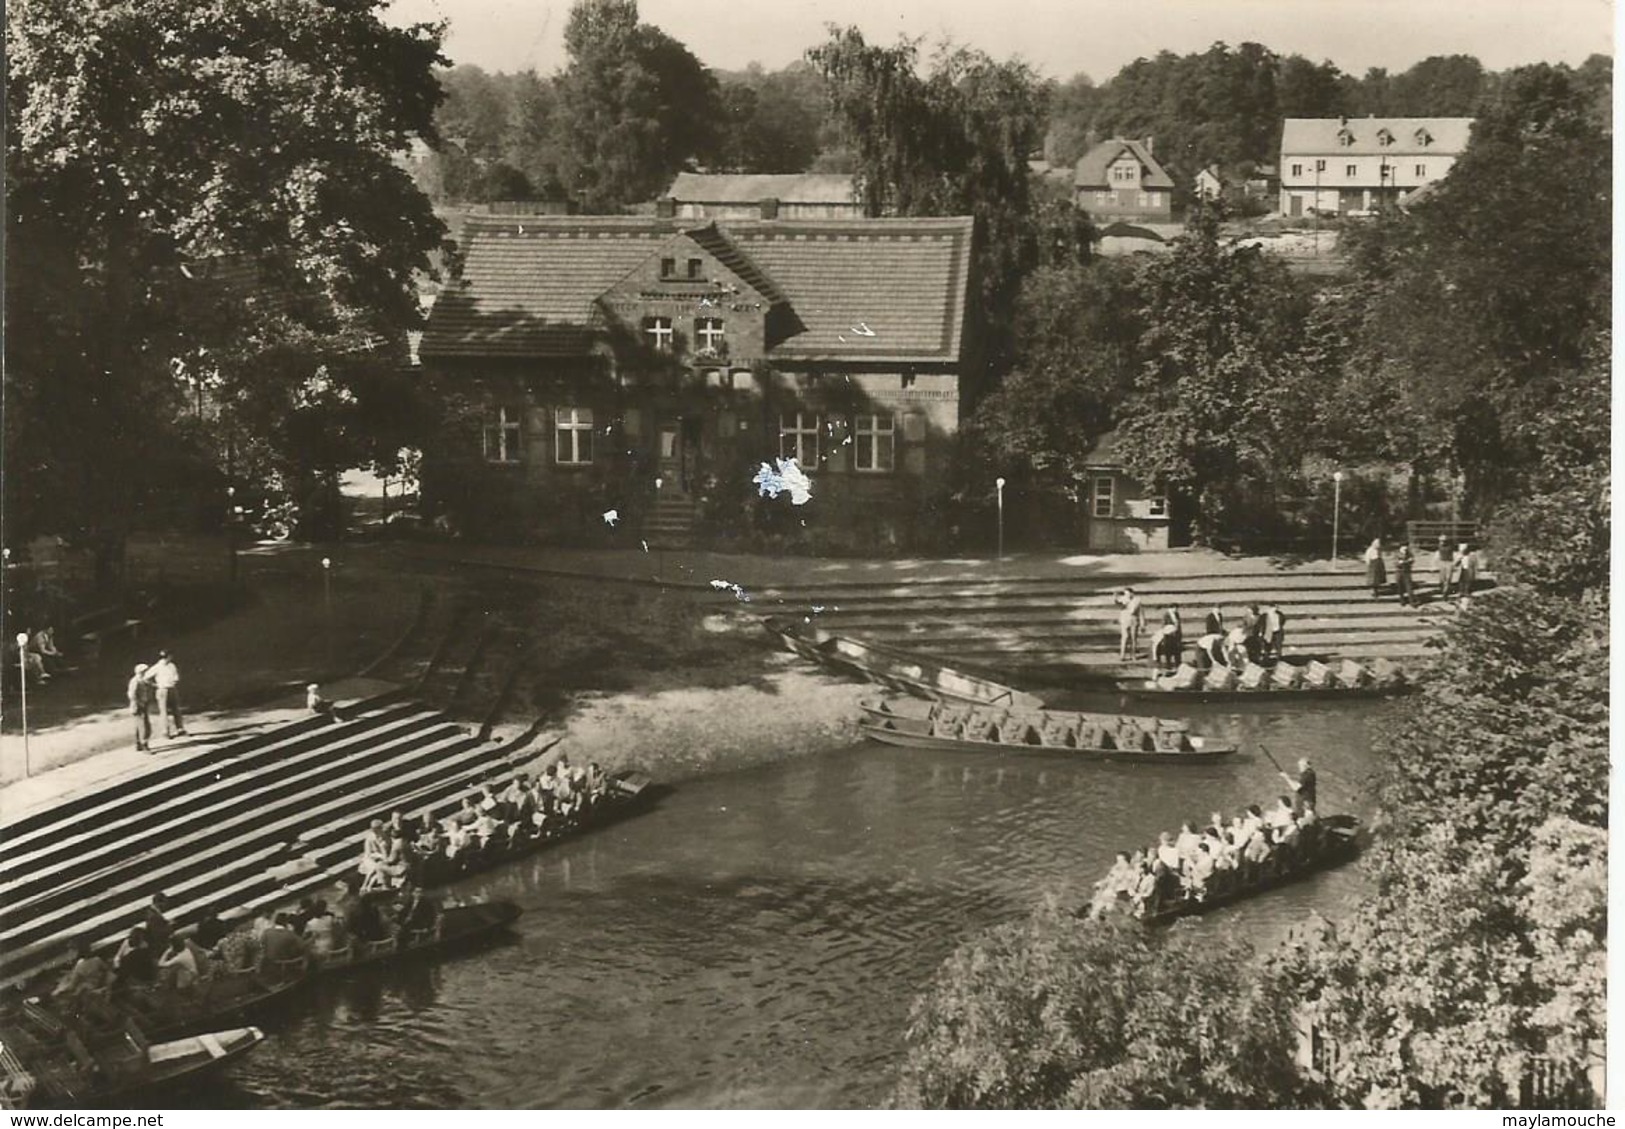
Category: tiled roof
[788,188]
[862,291]
[1304,136]
[1092,166]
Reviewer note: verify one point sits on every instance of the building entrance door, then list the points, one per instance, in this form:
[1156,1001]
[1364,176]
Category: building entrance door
[670,460]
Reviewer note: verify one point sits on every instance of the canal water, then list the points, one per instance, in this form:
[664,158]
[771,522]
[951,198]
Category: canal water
[757,939]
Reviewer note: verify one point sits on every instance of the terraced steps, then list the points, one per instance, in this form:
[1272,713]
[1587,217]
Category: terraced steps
[215,828]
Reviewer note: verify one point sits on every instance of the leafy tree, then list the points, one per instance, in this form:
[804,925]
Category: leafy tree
[1071,131]
[146,137]
[775,123]
[1054,1013]
[1493,288]
[1222,397]
[1078,326]
[634,106]
[955,141]
[1440,86]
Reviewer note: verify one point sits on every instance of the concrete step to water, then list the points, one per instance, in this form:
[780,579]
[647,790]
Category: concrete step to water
[157,797]
[180,846]
[1088,626]
[198,883]
[1153,590]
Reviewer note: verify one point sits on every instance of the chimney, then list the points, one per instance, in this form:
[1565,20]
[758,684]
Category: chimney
[666,207]
[1150,144]
[770,208]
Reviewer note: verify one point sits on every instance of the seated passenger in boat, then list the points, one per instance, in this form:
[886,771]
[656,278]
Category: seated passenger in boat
[280,943]
[597,782]
[374,851]
[467,812]
[401,827]
[512,796]
[1200,871]
[135,962]
[1235,648]
[211,929]
[1167,853]
[564,797]
[547,789]
[1187,841]
[361,919]
[239,950]
[178,968]
[1145,891]
[1121,878]
[1281,814]
[320,929]
[89,976]
[1258,848]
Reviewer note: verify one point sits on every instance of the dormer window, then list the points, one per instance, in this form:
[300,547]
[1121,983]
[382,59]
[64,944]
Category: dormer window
[1345,137]
[1385,136]
[1423,137]
[658,332]
[695,266]
[668,268]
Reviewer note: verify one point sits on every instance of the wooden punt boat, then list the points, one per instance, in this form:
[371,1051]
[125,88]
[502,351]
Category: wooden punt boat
[170,1011]
[1283,681]
[625,794]
[1337,842]
[1114,737]
[893,668]
[48,1060]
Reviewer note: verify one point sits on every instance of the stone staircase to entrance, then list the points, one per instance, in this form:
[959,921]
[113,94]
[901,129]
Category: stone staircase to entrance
[1066,628]
[670,523]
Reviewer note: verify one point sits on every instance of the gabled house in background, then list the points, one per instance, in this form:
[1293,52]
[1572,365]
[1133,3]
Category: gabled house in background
[1121,179]
[650,365]
[790,196]
[1209,184]
[1342,166]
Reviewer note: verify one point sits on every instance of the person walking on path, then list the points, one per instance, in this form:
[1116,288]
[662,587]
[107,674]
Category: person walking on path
[1446,566]
[140,693]
[1130,622]
[1467,572]
[166,677]
[1376,573]
[1403,563]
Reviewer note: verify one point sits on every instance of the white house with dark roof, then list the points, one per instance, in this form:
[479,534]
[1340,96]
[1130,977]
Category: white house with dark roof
[1338,166]
[804,196]
[1121,179]
[650,365]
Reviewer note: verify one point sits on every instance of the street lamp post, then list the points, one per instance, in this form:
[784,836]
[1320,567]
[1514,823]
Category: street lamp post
[660,550]
[231,534]
[1337,510]
[999,483]
[327,604]
[22,684]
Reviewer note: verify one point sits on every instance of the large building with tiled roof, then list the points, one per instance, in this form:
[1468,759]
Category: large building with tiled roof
[1121,179]
[1335,166]
[650,365]
[791,196]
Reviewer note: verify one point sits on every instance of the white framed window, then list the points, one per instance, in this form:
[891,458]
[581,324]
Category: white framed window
[502,435]
[572,436]
[1104,496]
[1124,173]
[1157,505]
[708,332]
[658,331]
[874,443]
[798,438]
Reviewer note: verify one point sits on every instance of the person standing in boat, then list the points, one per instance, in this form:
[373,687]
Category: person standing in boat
[1303,784]
[1376,573]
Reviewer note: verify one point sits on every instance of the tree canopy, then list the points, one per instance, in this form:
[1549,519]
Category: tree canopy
[150,144]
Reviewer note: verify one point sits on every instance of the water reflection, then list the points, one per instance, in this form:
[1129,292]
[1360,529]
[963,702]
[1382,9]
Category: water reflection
[757,940]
